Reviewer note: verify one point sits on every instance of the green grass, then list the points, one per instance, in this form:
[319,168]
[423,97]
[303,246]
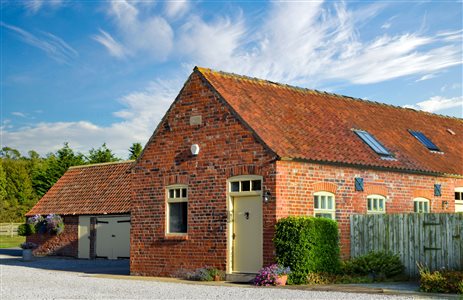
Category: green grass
[11,241]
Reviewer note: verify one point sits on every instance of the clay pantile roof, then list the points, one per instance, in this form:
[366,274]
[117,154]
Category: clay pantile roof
[309,125]
[89,189]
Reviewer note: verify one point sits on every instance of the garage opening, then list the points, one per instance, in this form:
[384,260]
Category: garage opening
[104,237]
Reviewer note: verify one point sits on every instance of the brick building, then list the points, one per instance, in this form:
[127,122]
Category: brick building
[234,154]
[94,201]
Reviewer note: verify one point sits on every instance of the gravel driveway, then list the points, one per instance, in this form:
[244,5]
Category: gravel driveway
[54,278]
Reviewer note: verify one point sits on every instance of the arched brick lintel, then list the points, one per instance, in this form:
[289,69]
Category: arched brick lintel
[176,179]
[428,194]
[376,189]
[325,187]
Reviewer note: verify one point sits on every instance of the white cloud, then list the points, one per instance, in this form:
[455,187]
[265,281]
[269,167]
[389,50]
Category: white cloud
[438,103]
[143,111]
[19,114]
[33,6]
[114,47]
[426,77]
[53,46]
[176,9]
[151,35]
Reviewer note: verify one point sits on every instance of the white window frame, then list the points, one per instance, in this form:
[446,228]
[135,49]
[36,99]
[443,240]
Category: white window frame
[421,201]
[459,202]
[376,199]
[327,211]
[178,198]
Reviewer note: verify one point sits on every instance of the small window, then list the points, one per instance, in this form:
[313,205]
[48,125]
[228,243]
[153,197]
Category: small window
[421,205]
[324,205]
[373,143]
[424,140]
[459,199]
[246,186]
[376,204]
[177,210]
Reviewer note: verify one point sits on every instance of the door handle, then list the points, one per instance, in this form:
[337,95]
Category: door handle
[246,215]
[113,235]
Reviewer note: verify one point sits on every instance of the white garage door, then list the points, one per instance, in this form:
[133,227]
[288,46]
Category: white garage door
[113,237]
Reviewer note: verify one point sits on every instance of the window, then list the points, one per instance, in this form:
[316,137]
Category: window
[424,140]
[324,205]
[373,143]
[246,185]
[459,199]
[177,209]
[421,205]
[376,204]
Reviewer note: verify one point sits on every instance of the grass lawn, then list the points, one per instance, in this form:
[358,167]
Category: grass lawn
[11,241]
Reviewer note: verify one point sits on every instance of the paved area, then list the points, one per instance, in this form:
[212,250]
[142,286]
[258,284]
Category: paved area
[55,278]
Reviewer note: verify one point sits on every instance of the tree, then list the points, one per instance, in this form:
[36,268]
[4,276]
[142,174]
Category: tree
[101,155]
[20,195]
[2,182]
[53,167]
[11,153]
[135,150]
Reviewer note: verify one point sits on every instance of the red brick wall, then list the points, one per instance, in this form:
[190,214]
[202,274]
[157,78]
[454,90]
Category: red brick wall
[227,148]
[297,181]
[64,244]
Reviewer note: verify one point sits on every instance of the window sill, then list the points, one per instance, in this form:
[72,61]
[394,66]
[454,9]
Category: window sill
[176,237]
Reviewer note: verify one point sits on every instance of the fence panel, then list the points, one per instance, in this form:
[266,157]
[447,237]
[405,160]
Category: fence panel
[431,239]
[10,229]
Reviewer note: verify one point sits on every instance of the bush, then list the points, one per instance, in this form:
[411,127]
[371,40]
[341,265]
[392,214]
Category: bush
[444,281]
[378,265]
[327,278]
[205,274]
[306,245]
[52,224]
[26,229]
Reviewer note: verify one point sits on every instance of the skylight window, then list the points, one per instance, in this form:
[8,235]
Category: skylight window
[373,143]
[424,140]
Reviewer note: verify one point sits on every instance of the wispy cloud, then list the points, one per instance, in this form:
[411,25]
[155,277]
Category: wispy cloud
[19,114]
[438,103]
[143,111]
[114,47]
[33,6]
[55,47]
[150,35]
[426,77]
[176,9]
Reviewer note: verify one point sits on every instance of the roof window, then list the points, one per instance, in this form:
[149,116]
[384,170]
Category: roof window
[424,140]
[373,143]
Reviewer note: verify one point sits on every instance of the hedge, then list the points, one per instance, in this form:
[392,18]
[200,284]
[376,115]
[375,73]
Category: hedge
[306,245]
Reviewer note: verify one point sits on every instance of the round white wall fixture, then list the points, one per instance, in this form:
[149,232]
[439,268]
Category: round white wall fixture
[194,149]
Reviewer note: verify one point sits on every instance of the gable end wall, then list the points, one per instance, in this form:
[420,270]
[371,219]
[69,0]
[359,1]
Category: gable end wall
[227,148]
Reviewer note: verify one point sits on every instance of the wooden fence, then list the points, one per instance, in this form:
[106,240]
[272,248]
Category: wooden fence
[10,229]
[431,239]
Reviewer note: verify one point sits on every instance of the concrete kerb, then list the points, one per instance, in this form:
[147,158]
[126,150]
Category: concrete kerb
[342,288]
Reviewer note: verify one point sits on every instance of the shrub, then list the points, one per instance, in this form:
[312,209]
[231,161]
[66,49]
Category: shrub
[26,229]
[205,274]
[444,281]
[379,265]
[28,245]
[52,224]
[307,244]
[269,275]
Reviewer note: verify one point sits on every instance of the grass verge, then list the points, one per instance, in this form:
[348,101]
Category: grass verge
[11,241]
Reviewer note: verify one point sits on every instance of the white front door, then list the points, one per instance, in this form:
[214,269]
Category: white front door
[247,234]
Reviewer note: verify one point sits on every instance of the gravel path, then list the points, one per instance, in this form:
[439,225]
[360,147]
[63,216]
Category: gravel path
[36,280]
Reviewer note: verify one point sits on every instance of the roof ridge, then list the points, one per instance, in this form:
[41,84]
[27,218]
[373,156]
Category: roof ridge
[102,164]
[307,90]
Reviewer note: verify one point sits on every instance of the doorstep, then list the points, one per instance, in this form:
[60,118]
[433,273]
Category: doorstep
[240,277]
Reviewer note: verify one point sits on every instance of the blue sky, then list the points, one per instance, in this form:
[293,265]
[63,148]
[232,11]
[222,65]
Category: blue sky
[89,72]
